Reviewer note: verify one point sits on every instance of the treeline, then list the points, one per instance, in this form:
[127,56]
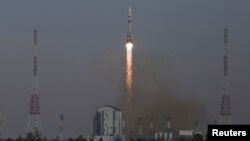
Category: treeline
[196,137]
[30,138]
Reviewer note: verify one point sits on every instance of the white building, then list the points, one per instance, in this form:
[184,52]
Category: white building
[109,124]
[174,135]
[186,135]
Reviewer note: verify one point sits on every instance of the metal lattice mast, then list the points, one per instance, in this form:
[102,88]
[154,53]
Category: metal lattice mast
[151,126]
[34,123]
[225,115]
[61,128]
[1,119]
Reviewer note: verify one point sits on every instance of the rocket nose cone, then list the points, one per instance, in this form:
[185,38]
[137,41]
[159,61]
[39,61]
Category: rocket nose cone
[129,11]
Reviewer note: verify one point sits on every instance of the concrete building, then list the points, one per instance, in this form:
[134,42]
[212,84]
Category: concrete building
[109,124]
[186,135]
[169,134]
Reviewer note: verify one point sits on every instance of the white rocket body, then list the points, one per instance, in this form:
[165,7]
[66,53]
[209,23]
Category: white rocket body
[129,38]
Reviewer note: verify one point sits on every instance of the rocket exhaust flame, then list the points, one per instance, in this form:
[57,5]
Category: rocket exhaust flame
[129,61]
[129,71]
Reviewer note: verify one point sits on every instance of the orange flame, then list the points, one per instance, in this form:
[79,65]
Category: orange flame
[129,71]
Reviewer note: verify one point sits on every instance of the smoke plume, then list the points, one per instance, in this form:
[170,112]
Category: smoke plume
[155,95]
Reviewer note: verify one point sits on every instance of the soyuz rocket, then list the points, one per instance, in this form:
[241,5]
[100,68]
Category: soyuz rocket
[129,39]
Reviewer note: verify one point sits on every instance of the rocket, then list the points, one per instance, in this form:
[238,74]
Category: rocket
[129,39]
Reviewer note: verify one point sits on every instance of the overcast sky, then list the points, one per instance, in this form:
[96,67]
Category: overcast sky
[81,55]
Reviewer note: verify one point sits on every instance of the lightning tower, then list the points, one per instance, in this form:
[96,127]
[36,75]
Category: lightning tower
[34,122]
[225,115]
[151,126]
[1,138]
[60,136]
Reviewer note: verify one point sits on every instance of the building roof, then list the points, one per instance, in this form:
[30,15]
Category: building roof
[108,106]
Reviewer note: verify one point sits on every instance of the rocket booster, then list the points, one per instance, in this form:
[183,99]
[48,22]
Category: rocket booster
[129,39]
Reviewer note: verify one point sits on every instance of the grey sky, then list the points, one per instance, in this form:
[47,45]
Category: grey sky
[81,48]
